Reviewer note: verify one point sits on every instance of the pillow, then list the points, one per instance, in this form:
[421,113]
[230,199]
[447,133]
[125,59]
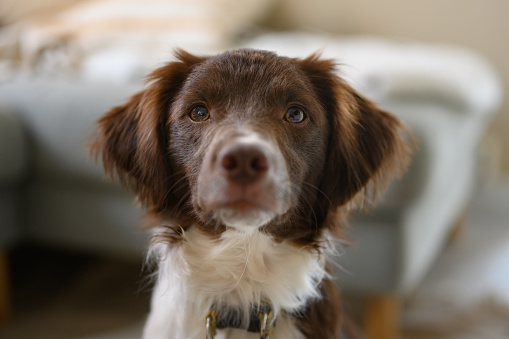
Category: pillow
[141,32]
[12,11]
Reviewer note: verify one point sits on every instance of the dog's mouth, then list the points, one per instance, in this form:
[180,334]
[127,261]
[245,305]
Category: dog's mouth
[244,215]
[242,212]
[244,206]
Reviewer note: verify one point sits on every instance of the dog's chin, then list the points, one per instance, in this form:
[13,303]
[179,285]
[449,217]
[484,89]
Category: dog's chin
[244,216]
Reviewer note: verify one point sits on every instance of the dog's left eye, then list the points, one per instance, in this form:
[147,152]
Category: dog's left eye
[295,115]
[199,113]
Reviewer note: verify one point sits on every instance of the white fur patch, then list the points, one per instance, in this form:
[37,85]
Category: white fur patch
[245,221]
[239,269]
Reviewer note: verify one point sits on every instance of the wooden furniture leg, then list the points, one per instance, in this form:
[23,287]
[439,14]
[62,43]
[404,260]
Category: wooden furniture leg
[5,302]
[382,317]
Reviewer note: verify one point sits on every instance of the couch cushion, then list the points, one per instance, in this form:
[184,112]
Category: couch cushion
[443,140]
[398,240]
[392,69]
[59,117]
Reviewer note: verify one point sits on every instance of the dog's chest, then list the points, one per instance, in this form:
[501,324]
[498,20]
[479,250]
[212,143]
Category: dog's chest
[242,268]
[236,271]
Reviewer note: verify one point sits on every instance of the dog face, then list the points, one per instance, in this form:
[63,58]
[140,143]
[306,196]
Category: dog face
[250,140]
[248,131]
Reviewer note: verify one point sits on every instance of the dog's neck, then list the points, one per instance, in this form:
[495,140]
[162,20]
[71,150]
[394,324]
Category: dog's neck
[238,270]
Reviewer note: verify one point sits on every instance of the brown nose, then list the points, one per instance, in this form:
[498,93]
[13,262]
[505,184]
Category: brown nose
[243,163]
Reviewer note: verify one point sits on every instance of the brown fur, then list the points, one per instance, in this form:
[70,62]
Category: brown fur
[346,150]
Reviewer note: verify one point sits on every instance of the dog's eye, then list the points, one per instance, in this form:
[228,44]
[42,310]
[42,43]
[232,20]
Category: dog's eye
[199,113]
[295,115]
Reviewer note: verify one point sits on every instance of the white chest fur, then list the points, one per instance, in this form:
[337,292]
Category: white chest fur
[239,270]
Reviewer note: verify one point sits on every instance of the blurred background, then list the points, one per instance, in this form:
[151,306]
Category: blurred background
[430,261]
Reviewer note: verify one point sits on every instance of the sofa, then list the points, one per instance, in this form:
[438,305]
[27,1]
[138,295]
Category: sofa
[52,192]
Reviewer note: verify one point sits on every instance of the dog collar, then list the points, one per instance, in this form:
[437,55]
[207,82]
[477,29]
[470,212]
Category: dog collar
[262,320]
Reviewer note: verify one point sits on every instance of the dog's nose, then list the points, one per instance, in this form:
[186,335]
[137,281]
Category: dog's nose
[243,163]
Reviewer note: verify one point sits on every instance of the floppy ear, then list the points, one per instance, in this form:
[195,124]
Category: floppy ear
[133,138]
[366,145]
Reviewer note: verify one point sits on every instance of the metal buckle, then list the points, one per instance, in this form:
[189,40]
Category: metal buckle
[211,325]
[266,318]
[266,323]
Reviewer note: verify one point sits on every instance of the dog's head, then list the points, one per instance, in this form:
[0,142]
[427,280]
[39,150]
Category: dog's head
[250,140]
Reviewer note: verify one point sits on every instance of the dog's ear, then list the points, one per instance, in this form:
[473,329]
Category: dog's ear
[366,145]
[133,138]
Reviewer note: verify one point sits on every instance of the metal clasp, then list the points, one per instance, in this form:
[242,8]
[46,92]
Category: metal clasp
[211,325]
[266,323]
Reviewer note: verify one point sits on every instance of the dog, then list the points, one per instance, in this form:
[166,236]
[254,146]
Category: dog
[247,164]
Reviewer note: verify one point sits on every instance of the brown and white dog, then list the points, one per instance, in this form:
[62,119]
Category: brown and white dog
[247,163]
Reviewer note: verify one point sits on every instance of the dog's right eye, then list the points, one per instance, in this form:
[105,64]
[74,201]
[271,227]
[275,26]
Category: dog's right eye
[295,115]
[199,114]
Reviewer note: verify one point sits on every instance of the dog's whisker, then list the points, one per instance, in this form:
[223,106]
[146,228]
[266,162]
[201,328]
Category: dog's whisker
[318,190]
[311,209]
[174,188]
[182,199]
[182,178]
